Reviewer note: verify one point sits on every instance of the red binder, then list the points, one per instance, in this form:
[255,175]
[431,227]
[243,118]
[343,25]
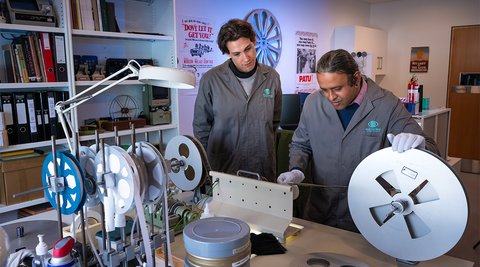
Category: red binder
[47,54]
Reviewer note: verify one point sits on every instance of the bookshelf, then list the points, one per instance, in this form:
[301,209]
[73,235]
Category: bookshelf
[155,23]
[147,31]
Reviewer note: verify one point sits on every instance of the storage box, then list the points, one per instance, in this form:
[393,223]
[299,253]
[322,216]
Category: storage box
[20,175]
[412,107]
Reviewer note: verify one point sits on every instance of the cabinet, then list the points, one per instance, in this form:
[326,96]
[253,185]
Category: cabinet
[436,124]
[363,39]
[147,31]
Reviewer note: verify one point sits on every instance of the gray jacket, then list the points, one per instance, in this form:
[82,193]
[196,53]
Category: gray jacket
[335,152]
[237,131]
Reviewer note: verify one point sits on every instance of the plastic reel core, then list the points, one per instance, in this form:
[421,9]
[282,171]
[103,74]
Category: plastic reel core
[404,204]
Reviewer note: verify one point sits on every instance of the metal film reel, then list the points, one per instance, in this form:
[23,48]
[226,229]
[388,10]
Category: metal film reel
[186,162]
[72,197]
[87,163]
[123,106]
[155,168]
[269,36]
[409,205]
[125,176]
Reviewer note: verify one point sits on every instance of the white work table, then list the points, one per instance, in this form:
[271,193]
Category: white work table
[315,238]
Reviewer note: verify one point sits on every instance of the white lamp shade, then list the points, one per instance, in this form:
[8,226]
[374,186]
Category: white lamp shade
[166,77]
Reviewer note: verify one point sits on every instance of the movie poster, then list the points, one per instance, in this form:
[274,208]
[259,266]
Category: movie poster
[306,80]
[197,42]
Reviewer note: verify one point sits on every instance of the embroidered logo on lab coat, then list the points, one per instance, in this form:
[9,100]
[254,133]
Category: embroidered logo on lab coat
[373,127]
[267,93]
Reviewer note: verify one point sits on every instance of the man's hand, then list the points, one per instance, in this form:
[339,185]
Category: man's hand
[291,177]
[405,141]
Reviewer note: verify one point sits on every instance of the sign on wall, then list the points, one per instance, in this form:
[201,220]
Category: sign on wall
[306,43]
[419,59]
[197,39]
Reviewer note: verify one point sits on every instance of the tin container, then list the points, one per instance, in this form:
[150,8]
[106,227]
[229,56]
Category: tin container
[217,241]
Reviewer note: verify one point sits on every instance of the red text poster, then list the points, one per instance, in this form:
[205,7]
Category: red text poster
[306,79]
[197,43]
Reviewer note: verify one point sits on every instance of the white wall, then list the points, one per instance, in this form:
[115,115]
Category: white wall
[411,23]
[318,16]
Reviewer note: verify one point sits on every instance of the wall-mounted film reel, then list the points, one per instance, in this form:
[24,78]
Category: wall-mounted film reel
[155,171]
[73,196]
[409,205]
[187,158]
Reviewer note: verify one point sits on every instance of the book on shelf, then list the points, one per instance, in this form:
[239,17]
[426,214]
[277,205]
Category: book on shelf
[20,118]
[47,56]
[59,57]
[8,63]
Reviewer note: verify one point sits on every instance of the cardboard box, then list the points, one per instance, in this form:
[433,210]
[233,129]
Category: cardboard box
[20,175]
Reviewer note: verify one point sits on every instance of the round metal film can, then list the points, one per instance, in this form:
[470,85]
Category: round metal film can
[217,241]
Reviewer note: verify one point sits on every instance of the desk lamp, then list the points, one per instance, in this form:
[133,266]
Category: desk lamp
[152,75]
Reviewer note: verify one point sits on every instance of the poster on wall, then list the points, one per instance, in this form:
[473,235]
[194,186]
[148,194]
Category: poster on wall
[306,80]
[419,59]
[196,45]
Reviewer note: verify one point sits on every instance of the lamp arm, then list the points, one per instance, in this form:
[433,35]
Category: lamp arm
[79,99]
[88,97]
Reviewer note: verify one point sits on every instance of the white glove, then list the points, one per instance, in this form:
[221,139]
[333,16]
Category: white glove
[291,177]
[405,141]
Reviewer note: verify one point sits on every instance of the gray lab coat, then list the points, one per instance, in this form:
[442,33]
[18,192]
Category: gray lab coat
[237,131]
[336,152]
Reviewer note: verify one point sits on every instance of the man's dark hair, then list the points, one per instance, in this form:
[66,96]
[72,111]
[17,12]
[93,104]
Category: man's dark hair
[339,61]
[233,30]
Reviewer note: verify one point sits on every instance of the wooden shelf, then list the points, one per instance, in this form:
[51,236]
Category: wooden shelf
[4,208]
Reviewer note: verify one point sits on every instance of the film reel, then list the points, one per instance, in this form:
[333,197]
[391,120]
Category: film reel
[405,203]
[87,163]
[155,169]
[187,171]
[72,197]
[125,176]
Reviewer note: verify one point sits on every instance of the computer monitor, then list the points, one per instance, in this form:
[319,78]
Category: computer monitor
[291,110]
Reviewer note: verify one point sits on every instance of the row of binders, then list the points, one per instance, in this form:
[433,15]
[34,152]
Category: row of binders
[94,15]
[30,116]
[36,57]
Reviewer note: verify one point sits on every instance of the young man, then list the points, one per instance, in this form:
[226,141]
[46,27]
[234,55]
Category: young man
[349,118]
[238,105]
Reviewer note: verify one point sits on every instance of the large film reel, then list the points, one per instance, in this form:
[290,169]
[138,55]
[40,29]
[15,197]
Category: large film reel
[186,155]
[119,164]
[409,205]
[155,168]
[73,195]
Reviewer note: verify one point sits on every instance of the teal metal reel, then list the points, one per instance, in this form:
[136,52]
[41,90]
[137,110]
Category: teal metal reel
[72,197]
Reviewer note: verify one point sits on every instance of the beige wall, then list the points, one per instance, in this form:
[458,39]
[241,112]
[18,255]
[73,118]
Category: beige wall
[412,23]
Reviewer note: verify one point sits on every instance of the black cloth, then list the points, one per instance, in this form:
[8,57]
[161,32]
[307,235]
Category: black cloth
[265,244]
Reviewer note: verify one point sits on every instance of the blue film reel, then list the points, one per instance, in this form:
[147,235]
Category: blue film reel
[73,197]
